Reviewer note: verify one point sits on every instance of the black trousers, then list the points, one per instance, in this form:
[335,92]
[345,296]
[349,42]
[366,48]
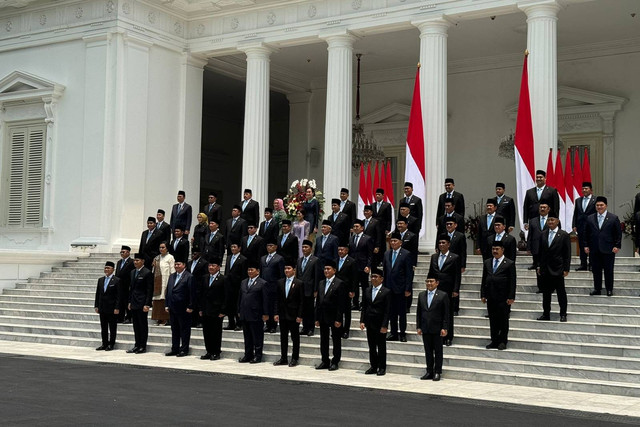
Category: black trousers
[308,313]
[125,313]
[108,322]
[140,321]
[253,338]
[212,333]
[232,309]
[272,289]
[336,335]
[377,346]
[362,279]
[398,314]
[450,332]
[599,262]
[433,347]
[289,327]
[550,284]
[582,241]
[180,330]
[409,302]
[498,320]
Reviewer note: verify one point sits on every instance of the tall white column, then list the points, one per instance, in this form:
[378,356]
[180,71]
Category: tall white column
[543,86]
[255,154]
[299,135]
[433,91]
[339,115]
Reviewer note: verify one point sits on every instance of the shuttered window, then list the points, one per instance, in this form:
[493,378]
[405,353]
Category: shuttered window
[25,176]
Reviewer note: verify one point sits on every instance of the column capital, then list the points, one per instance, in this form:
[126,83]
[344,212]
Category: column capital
[436,25]
[540,8]
[196,61]
[339,38]
[299,97]
[257,50]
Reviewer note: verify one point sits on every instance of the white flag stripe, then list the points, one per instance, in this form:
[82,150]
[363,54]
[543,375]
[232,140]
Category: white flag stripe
[413,175]
[524,181]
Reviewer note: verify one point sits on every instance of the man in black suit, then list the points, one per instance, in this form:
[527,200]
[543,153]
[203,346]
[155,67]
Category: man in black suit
[254,309]
[150,242]
[604,240]
[235,271]
[140,302]
[361,250]
[536,226]
[288,243]
[505,207]
[457,199]
[310,271]
[213,209]
[409,240]
[382,211]
[163,226]
[253,247]
[583,207]
[347,273]
[326,244]
[414,202]
[179,248]
[330,306]
[107,303]
[289,306]
[181,214]
[446,266]
[554,263]
[485,228]
[340,222]
[540,193]
[198,267]
[449,212]
[250,209]
[214,242]
[373,229]
[347,206]
[236,228]
[376,304]
[432,318]
[124,267]
[508,241]
[458,246]
[271,270]
[398,274]
[269,228]
[213,303]
[180,302]
[498,291]
[413,225]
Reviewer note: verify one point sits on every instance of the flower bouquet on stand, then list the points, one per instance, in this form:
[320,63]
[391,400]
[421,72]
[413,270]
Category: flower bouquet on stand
[297,196]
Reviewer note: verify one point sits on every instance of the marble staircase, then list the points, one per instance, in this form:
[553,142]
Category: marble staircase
[597,350]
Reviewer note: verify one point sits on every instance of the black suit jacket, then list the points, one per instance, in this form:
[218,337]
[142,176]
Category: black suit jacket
[182,295]
[501,285]
[412,223]
[330,249]
[351,210]
[531,202]
[410,243]
[458,246]
[415,207]
[109,300]
[458,204]
[484,233]
[290,307]
[554,259]
[181,219]
[604,239]
[165,229]
[442,223]
[330,306]
[311,275]
[375,314]
[399,276]
[213,246]
[214,213]
[347,274]
[181,252]
[213,300]
[124,273]
[340,227]
[255,250]
[150,249]
[450,275]
[510,245]
[433,319]
[507,209]
[254,301]
[289,251]
[383,215]
[200,270]
[580,215]
[533,237]
[375,230]
[141,288]
[251,213]
[363,252]
[237,273]
[234,234]
[270,232]
[272,271]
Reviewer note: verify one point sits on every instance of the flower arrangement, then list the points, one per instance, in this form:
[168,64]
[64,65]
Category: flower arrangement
[297,196]
[627,222]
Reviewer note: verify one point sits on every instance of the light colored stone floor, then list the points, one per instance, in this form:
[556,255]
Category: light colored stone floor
[578,401]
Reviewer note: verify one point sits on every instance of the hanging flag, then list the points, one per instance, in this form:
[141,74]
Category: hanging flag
[414,171]
[388,193]
[368,185]
[551,178]
[376,183]
[577,175]
[362,189]
[559,179]
[568,188]
[523,143]
[586,167]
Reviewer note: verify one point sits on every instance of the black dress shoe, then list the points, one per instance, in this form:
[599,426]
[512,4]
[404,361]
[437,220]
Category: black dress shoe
[582,268]
[333,367]
[141,350]
[102,347]
[486,315]
[126,322]
[281,362]
[427,376]
[238,328]
[563,318]
[381,372]
[403,338]
[229,328]
[491,345]
[109,348]
[256,360]
[533,267]
[345,335]
[392,338]
[448,343]
[133,350]
[370,371]
[310,333]
[592,293]
[182,354]
[323,365]
[294,362]
[455,313]
[539,291]
[272,330]
[215,357]
[171,353]
[502,346]
[544,317]
[304,332]
[609,293]
[206,356]
[245,359]
[436,377]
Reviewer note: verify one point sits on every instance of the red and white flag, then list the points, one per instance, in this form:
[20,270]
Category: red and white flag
[523,144]
[369,184]
[362,193]
[415,163]
[388,193]
[568,188]
[559,179]
[577,175]
[376,183]
[586,167]
[551,177]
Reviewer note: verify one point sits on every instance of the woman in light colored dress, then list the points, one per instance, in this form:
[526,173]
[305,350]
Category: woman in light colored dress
[278,212]
[301,229]
[163,267]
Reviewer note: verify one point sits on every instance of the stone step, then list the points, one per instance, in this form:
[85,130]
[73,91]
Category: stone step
[572,316]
